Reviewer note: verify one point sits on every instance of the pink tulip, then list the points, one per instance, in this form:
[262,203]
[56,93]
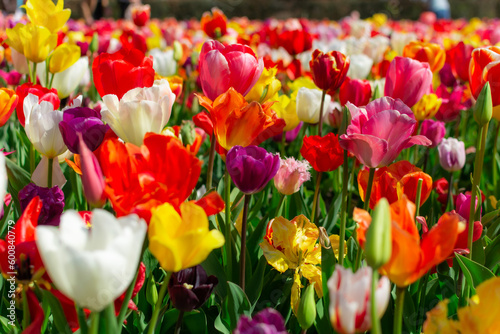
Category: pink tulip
[222,67]
[408,80]
[380,131]
[291,175]
[92,177]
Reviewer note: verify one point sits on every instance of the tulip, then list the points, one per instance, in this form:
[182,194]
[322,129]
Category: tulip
[47,14]
[329,70]
[459,57]
[43,94]
[427,107]
[462,206]
[408,80]
[214,24]
[267,83]
[267,321]
[323,153]
[430,53]
[378,247]
[285,109]
[400,40]
[483,110]
[8,101]
[94,267]
[63,57]
[295,41]
[378,133]
[451,154]
[433,130]
[4,181]
[92,177]
[361,66]
[306,313]
[350,299]
[141,14]
[190,288]
[222,67]
[251,167]
[291,175]
[33,41]
[163,62]
[451,105]
[356,91]
[181,241]
[482,68]
[67,81]
[309,104]
[122,71]
[52,202]
[139,111]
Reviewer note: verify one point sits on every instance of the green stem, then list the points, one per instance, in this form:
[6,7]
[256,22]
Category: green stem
[449,201]
[376,327]
[49,174]
[229,239]
[418,196]
[494,160]
[82,321]
[124,307]
[211,158]
[369,188]
[178,324]
[343,210]
[243,241]
[421,300]
[33,74]
[110,319]
[47,73]
[280,204]
[52,75]
[398,312]
[32,159]
[315,199]
[157,308]
[320,123]
[26,310]
[94,323]
[283,143]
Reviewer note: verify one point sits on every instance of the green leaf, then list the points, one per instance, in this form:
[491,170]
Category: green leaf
[474,273]
[492,253]
[254,286]
[57,313]
[235,305]
[490,217]
[213,267]
[221,325]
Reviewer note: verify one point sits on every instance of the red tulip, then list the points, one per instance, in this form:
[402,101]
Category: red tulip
[459,58]
[323,153]
[295,41]
[141,14]
[356,91]
[329,70]
[44,94]
[122,71]
[214,24]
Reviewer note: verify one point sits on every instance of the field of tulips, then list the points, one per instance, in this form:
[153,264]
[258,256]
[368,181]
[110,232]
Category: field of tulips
[242,176]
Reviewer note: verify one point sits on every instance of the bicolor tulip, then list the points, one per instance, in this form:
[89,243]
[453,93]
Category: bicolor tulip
[214,24]
[224,66]
[323,153]
[394,181]
[63,57]
[34,42]
[329,70]
[433,130]
[291,175]
[122,71]
[408,80]
[47,14]
[412,256]
[426,107]
[44,94]
[8,101]
[451,154]
[484,67]
[356,91]
[94,267]
[181,240]
[267,84]
[350,299]
[140,14]
[430,53]
[251,167]
[379,132]
[309,104]
[139,111]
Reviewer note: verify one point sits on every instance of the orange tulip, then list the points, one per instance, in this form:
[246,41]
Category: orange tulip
[8,101]
[393,181]
[411,256]
[214,24]
[431,53]
[237,122]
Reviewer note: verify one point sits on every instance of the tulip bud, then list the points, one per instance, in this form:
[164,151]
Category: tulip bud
[94,44]
[484,106]
[378,246]
[307,308]
[178,52]
[187,133]
[92,177]
[151,291]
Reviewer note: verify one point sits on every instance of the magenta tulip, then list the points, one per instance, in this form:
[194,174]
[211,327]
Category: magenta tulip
[380,131]
[408,80]
[92,177]
[222,67]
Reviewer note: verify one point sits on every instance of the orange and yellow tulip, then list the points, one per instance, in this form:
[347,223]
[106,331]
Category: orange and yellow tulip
[430,53]
[8,101]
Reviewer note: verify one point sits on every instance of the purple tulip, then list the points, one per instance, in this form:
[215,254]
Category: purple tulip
[267,321]
[190,288]
[251,167]
[52,202]
[451,154]
[434,130]
[85,121]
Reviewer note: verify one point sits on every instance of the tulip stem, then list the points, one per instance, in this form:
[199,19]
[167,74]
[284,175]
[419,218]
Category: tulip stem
[280,204]
[124,307]
[157,308]
[315,206]
[376,327]
[449,201]
[26,310]
[32,159]
[178,324]
[343,212]
[418,197]
[211,158]
[369,188]
[227,210]
[494,161]
[398,312]
[94,323]
[51,80]
[33,74]
[283,143]
[320,123]
[81,320]
[243,241]
[49,175]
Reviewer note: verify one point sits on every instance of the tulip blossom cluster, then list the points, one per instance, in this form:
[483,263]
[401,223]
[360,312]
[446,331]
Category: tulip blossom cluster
[234,175]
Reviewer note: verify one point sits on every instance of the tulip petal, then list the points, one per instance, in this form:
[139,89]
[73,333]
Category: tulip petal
[370,150]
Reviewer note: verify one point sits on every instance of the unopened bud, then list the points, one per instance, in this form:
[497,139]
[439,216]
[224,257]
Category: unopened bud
[306,314]
[484,106]
[378,246]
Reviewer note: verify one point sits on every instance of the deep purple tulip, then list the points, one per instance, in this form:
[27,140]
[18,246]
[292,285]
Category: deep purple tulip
[434,130]
[52,202]
[85,121]
[251,167]
[267,321]
[190,288]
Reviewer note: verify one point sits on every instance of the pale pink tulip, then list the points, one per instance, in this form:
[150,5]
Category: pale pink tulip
[408,79]
[291,175]
[380,131]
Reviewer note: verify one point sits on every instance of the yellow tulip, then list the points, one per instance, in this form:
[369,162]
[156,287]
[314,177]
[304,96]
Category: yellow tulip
[181,241]
[267,83]
[286,109]
[47,14]
[63,57]
[34,42]
[427,107]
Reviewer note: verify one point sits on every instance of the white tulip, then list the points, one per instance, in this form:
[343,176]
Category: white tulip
[68,80]
[309,103]
[400,39]
[360,67]
[92,267]
[375,48]
[163,62]
[140,110]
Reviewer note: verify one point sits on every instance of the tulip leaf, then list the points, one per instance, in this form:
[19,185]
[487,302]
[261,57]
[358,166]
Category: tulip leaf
[256,237]
[474,273]
[221,326]
[333,214]
[213,267]
[322,322]
[57,312]
[236,304]
[254,287]
[192,322]
[490,217]
[18,179]
[492,253]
